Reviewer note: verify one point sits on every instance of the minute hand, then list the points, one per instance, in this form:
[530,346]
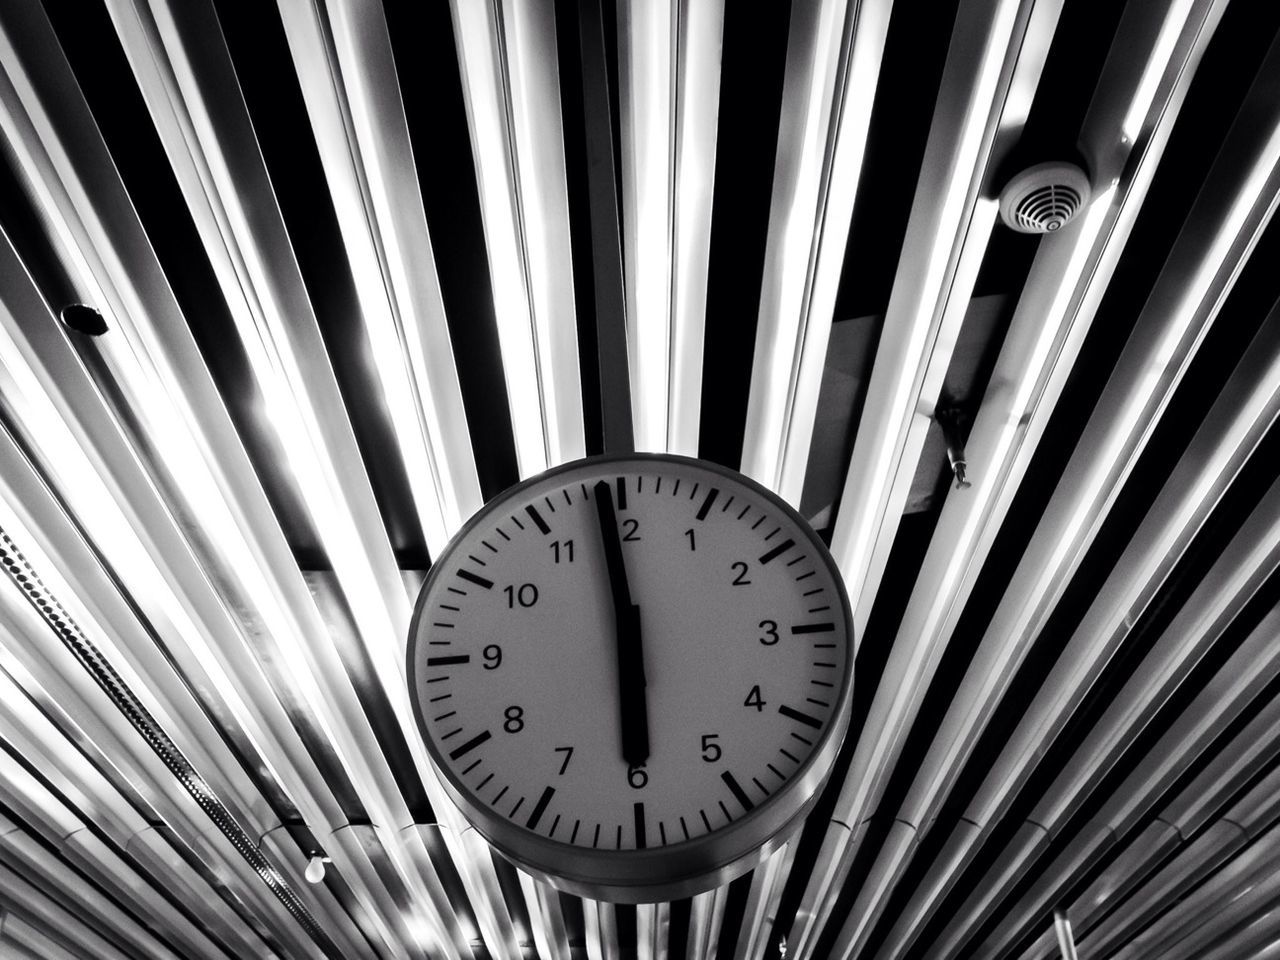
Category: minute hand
[634,713]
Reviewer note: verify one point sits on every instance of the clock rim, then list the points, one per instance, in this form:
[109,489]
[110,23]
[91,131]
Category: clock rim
[674,870]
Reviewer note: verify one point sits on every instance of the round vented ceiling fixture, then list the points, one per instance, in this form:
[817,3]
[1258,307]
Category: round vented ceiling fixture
[1044,198]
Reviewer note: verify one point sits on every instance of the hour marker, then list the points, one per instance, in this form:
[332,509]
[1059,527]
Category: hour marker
[621,498]
[475,578]
[763,788]
[470,745]
[554,823]
[574,836]
[705,821]
[474,763]
[788,755]
[736,789]
[540,807]
[501,793]
[440,623]
[638,809]
[447,661]
[685,827]
[800,717]
[727,504]
[813,628]
[777,551]
[725,810]
[516,521]
[662,832]
[519,804]
[534,515]
[706,504]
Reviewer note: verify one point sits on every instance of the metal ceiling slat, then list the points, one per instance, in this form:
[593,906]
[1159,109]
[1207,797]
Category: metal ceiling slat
[550,936]
[1226,588]
[28,732]
[600,929]
[64,919]
[342,54]
[346,71]
[159,368]
[669,95]
[27,942]
[507,54]
[200,636]
[173,771]
[653,928]
[1146,77]
[994,62]
[31,861]
[31,727]
[1246,883]
[1233,207]
[189,85]
[706,915]
[1210,851]
[993,67]
[834,50]
[767,883]
[266,699]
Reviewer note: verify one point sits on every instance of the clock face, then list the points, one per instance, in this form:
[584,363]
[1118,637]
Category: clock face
[633,673]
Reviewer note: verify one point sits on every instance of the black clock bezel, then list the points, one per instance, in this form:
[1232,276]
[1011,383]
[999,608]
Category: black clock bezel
[655,873]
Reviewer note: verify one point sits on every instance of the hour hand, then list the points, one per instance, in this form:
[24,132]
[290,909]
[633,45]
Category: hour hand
[629,646]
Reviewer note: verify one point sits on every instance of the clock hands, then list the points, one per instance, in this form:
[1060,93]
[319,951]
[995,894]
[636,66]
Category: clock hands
[630,651]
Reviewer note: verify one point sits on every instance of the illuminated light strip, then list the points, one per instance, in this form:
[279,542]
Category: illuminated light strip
[357,115]
[669,67]
[993,68]
[1219,234]
[834,51]
[507,54]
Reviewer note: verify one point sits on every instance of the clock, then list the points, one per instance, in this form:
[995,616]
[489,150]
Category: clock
[633,674]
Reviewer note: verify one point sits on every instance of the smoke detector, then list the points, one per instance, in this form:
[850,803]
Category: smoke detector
[1044,198]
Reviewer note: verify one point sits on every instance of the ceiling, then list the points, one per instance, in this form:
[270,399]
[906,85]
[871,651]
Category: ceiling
[361,267]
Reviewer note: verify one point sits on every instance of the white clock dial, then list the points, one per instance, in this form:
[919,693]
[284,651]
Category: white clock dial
[632,727]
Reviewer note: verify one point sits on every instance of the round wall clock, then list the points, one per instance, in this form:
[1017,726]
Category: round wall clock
[633,674]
